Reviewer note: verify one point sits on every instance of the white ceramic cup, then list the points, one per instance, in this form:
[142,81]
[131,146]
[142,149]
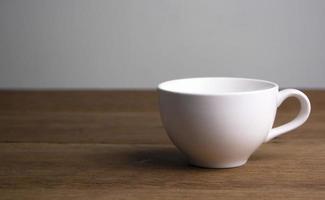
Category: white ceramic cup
[220,122]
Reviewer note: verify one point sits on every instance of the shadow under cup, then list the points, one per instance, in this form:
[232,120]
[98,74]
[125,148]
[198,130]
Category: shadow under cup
[218,122]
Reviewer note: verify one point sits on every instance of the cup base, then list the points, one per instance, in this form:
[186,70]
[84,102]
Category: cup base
[218,165]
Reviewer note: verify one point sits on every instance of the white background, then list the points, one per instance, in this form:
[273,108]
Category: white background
[139,43]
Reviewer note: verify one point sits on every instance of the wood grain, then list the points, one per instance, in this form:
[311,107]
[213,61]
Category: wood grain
[78,101]
[111,145]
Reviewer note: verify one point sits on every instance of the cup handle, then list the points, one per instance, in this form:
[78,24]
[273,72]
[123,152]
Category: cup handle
[300,118]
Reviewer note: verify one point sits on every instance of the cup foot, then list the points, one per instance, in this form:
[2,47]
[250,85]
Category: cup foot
[219,165]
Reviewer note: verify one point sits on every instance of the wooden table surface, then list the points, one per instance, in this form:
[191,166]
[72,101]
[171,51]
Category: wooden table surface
[111,145]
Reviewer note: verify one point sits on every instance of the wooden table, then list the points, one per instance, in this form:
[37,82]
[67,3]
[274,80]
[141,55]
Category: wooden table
[111,145]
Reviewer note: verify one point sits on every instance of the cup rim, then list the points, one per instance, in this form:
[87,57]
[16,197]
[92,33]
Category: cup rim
[161,86]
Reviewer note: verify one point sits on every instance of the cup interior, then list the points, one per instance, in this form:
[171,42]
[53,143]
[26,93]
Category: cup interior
[215,86]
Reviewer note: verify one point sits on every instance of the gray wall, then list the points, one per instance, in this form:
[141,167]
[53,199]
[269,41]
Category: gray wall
[138,43]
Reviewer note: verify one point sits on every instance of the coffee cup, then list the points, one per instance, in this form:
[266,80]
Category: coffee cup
[218,122]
